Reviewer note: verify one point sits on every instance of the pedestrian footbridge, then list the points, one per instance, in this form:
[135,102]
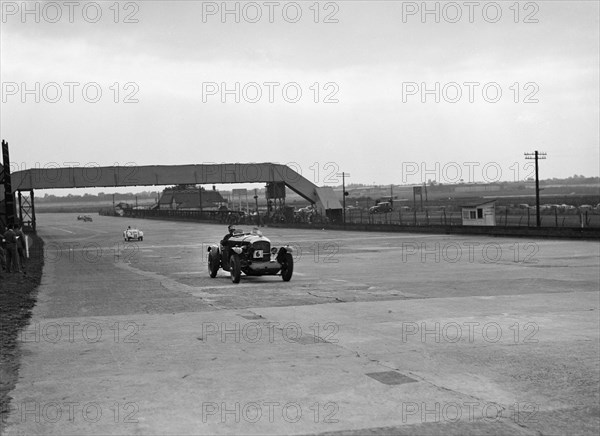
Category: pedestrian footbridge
[323,198]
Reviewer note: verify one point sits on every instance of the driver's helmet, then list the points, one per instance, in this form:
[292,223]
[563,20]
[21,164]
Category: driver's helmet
[231,228]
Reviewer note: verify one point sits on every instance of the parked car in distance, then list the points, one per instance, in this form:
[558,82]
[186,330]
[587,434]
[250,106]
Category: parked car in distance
[383,207]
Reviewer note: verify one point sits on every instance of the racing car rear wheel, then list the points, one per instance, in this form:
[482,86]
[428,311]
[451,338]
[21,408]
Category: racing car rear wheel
[287,268]
[235,268]
[213,265]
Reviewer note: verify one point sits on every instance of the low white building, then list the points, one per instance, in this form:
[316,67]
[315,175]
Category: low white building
[483,214]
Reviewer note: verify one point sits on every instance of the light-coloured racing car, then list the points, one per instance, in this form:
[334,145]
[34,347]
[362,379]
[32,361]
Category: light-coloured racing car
[133,234]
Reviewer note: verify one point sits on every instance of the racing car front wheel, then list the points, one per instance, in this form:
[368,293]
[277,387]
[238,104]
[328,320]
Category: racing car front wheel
[235,268]
[213,265]
[287,268]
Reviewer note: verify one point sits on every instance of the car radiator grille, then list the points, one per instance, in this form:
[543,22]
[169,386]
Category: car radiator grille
[264,246]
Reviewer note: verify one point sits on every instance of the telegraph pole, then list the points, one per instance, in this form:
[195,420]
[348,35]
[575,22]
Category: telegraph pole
[536,155]
[200,199]
[344,198]
[344,194]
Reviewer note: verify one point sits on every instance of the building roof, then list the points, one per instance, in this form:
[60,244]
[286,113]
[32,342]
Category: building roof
[190,198]
[478,204]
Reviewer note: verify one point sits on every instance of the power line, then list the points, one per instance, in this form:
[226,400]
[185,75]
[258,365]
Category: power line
[536,155]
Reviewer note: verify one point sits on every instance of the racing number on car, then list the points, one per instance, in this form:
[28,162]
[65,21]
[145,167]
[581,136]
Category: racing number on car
[258,254]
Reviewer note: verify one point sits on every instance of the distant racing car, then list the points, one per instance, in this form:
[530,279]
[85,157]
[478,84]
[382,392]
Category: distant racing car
[251,254]
[133,234]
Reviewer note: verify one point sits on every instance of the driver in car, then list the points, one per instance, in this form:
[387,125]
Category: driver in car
[231,230]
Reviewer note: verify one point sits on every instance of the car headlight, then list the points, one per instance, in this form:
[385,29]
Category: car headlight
[237,250]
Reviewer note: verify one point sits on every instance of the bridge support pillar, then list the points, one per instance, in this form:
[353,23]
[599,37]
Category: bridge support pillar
[27,210]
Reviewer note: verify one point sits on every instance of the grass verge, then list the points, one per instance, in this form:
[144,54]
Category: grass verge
[18,294]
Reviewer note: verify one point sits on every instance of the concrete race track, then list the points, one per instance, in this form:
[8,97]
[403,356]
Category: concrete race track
[375,334]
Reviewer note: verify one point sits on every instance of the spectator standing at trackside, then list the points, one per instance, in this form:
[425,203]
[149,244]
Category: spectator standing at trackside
[20,244]
[12,255]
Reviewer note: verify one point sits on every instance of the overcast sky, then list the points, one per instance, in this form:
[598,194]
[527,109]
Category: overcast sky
[370,60]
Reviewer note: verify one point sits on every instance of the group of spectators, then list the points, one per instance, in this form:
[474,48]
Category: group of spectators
[12,249]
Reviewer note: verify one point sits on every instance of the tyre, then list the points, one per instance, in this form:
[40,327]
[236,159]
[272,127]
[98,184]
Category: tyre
[235,268]
[287,268]
[213,265]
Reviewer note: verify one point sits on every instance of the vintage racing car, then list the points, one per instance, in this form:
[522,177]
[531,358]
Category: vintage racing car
[131,234]
[251,254]
[84,218]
